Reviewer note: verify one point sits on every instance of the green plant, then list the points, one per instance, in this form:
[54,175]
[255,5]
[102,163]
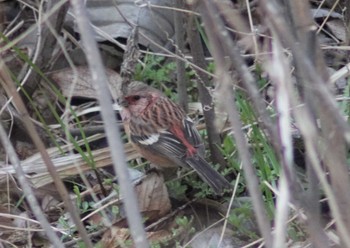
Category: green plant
[183,223]
[178,189]
[156,245]
[84,206]
[296,231]
[49,86]
[68,229]
[156,71]
[263,155]
[242,218]
[160,73]
[344,105]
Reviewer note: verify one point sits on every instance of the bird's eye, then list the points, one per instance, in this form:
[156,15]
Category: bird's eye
[136,97]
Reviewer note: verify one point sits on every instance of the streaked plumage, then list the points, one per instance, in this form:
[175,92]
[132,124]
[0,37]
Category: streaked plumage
[164,134]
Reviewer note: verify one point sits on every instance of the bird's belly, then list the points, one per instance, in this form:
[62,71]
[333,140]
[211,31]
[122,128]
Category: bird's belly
[159,161]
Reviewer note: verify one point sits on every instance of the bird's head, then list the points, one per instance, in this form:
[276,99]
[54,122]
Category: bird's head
[138,97]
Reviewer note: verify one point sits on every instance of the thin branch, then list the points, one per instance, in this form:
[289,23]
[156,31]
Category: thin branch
[329,141]
[180,65]
[278,70]
[248,80]
[204,95]
[113,134]
[27,190]
[216,31]
[47,41]
[131,56]
[276,19]
[10,88]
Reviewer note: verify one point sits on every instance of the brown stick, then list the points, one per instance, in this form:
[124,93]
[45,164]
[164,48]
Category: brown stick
[204,95]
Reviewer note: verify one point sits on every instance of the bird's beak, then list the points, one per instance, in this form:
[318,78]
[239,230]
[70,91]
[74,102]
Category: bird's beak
[123,102]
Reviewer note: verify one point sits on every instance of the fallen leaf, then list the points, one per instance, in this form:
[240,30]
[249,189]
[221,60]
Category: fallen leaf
[153,197]
[79,83]
[337,28]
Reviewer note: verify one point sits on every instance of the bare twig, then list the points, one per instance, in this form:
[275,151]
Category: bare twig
[319,99]
[47,41]
[10,88]
[204,95]
[347,22]
[319,105]
[2,16]
[248,80]
[131,56]
[278,70]
[27,190]
[180,65]
[112,132]
[300,23]
[274,16]
[216,31]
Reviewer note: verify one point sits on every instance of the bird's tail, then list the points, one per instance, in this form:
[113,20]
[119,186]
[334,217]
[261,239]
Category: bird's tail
[216,181]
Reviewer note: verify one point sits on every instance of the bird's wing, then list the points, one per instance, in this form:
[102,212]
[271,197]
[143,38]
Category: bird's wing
[164,143]
[192,135]
[172,146]
[177,140]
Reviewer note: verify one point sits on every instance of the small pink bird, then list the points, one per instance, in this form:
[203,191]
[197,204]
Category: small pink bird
[163,133]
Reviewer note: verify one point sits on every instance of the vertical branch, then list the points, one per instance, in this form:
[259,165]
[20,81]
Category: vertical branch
[25,185]
[112,131]
[236,22]
[47,41]
[301,26]
[312,208]
[278,69]
[180,64]
[320,104]
[216,33]
[27,190]
[2,16]
[347,22]
[334,149]
[131,56]
[131,53]
[205,97]
[8,84]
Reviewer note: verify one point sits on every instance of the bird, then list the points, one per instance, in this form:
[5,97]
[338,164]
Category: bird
[162,133]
